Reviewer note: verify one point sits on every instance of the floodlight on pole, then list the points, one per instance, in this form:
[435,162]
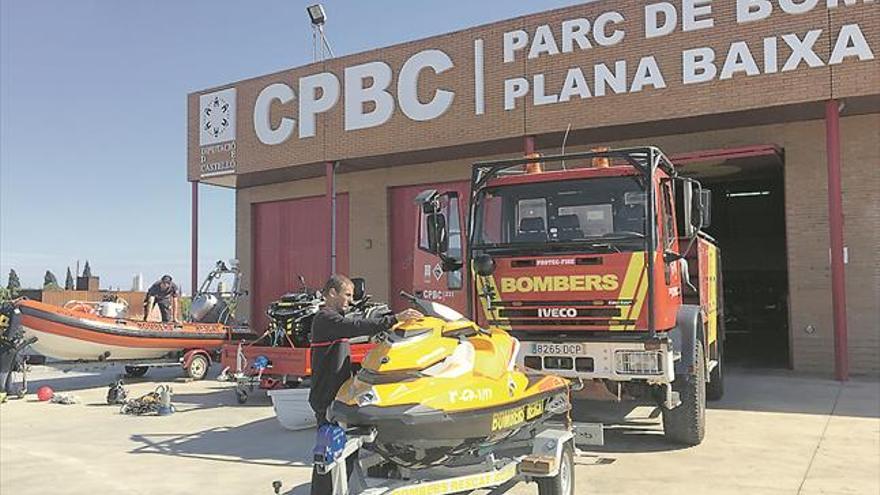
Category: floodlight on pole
[317,14]
[318,17]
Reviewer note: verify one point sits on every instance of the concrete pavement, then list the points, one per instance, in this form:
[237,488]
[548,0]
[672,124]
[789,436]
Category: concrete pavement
[775,432]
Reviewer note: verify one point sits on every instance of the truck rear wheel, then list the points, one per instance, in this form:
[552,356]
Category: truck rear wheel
[686,424]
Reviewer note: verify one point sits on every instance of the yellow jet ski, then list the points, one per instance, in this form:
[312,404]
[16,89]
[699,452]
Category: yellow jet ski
[441,386]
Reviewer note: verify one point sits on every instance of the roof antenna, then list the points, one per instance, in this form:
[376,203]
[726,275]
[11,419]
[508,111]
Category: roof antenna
[565,140]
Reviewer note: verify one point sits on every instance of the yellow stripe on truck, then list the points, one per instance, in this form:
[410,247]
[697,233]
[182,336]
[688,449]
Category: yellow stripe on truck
[712,293]
[639,301]
[495,314]
[630,282]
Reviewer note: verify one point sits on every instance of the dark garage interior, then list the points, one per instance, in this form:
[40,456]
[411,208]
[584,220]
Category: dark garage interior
[748,221]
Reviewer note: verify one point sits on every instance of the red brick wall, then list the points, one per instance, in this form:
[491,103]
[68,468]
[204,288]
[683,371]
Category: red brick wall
[460,125]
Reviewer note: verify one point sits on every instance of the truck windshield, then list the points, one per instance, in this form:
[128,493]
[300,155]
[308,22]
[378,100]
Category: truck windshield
[604,212]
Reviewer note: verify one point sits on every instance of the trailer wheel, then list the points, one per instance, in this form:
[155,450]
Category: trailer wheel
[563,482]
[686,424]
[197,368]
[136,371]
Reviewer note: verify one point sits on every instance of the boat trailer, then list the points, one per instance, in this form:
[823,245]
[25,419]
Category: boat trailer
[546,459]
[194,363]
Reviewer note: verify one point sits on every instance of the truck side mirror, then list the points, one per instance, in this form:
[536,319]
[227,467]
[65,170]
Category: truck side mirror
[360,288]
[706,207]
[701,209]
[438,241]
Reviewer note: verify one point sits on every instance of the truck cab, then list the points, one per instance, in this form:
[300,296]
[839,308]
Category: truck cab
[591,260]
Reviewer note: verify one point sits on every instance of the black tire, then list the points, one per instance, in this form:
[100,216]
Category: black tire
[241,395]
[197,369]
[293,383]
[686,424]
[563,482]
[136,371]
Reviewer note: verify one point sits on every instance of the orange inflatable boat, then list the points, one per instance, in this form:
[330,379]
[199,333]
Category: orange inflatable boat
[83,331]
[71,334]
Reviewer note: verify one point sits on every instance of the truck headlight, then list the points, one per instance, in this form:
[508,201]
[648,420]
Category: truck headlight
[638,362]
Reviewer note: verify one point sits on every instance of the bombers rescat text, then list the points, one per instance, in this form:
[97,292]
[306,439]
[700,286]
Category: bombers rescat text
[560,283]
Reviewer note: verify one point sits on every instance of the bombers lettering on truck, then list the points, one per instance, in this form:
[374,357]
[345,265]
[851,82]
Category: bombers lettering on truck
[560,283]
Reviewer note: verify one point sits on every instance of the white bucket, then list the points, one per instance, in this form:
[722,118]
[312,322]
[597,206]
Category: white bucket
[292,408]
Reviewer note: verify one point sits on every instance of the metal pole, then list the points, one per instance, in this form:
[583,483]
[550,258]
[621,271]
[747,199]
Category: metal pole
[194,262]
[835,224]
[314,44]
[528,145]
[331,209]
[651,240]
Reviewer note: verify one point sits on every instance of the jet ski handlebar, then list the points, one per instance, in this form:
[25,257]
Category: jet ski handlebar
[438,310]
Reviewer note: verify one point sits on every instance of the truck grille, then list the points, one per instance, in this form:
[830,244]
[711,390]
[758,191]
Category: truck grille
[581,312]
[598,314]
[567,322]
[543,304]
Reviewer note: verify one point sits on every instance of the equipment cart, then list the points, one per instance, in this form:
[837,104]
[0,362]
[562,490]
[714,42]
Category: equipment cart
[252,366]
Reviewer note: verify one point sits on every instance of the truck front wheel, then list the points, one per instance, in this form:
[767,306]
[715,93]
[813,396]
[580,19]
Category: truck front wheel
[686,424]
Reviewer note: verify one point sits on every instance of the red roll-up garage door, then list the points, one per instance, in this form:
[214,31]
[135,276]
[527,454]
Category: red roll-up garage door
[290,238]
[402,233]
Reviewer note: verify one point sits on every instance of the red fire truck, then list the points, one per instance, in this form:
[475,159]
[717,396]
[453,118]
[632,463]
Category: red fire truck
[598,264]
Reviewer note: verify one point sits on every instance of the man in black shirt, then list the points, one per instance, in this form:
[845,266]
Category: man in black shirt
[331,352]
[164,293]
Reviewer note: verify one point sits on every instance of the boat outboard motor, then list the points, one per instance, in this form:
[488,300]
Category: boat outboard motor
[212,303]
[207,308]
[12,342]
[291,317]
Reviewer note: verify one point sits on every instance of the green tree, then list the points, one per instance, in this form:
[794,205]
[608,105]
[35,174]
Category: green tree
[50,282]
[68,281]
[87,270]
[13,285]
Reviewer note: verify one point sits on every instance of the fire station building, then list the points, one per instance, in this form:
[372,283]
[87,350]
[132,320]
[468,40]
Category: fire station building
[774,105]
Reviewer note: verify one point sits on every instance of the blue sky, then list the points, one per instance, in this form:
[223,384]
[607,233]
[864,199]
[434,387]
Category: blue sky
[93,117]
